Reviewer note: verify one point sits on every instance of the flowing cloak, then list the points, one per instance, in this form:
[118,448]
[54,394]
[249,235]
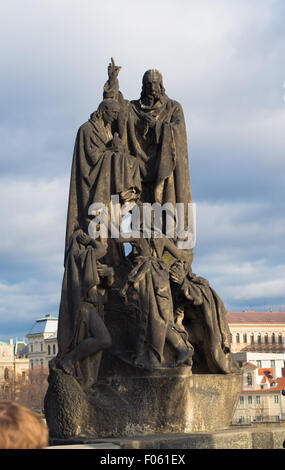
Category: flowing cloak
[97,173]
[150,279]
[162,150]
[203,306]
[79,276]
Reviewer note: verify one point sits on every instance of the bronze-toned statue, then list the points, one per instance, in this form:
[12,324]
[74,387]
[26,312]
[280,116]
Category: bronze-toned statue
[133,326]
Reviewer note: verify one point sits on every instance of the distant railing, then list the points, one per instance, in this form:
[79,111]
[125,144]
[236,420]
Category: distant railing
[248,420]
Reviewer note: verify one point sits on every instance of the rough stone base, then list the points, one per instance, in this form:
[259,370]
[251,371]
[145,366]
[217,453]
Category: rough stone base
[164,402]
[251,437]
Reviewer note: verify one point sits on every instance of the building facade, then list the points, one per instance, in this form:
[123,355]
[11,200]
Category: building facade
[14,360]
[263,360]
[252,330]
[262,398]
[51,347]
[257,342]
[42,341]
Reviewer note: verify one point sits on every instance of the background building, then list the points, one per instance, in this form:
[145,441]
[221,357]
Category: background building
[267,359]
[42,341]
[257,342]
[51,347]
[252,330]
[262,398]
[14,362]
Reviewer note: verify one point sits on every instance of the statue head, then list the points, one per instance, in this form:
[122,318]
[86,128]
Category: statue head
[108,110]
[152,84]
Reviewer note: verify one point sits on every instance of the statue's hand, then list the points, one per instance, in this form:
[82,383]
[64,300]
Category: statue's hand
[176,279]
[84,239]
[177,273]
[104,270]
[151,121]
[117,144]
[113,71]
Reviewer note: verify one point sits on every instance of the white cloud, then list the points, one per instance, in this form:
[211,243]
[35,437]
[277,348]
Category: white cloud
[257,290]
[240,250]
[237,225]
[33,215]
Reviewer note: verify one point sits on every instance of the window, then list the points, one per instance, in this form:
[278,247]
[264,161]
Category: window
[42,347]
[266,338]
[245,338]
[31,348]
[272,363]
[273,338]
[259,338]
[6,373]
[241,400]
[276,399]
[249,399]
[280,339]
[32,365]
[237,337]
[258,363]
[249,379]
[53,349]
[257,399]
[49,351]
[252,339]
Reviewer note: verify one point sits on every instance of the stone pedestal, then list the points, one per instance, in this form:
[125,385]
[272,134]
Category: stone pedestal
[235,437]
[165,401]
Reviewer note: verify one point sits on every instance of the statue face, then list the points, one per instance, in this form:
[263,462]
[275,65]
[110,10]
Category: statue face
[110,114]
[152,87]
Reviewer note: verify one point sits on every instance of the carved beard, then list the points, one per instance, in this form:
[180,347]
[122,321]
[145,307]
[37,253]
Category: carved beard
[151,99]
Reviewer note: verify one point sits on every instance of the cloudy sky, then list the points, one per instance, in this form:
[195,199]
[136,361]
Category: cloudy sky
[223,60]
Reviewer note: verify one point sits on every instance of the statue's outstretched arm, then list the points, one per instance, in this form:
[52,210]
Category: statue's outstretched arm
[111,87]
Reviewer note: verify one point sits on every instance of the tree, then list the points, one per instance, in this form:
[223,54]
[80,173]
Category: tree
[28,390]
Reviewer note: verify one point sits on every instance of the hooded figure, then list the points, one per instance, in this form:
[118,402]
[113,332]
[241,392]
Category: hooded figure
[101,167]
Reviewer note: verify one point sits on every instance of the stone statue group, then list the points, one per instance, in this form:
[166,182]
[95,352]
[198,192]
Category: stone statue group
[146,309]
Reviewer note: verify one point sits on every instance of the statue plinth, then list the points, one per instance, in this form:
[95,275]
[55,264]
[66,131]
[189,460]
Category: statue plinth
[168,400]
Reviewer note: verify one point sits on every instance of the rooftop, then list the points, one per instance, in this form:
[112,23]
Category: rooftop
[47,324]
[279,385]
[256,317]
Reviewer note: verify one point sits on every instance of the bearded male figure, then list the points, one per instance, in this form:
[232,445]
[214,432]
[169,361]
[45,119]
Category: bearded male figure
[153,128]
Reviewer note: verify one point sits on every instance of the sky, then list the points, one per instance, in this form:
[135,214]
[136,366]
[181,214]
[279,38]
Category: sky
[223,60]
